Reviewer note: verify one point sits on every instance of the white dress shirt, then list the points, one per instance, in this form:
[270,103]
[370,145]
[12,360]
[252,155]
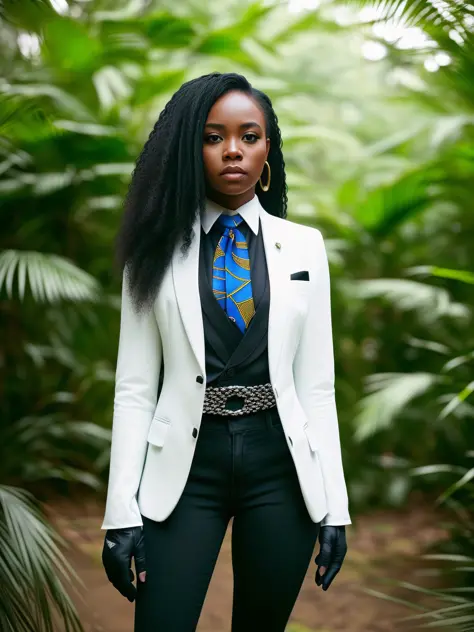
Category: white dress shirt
[250,213]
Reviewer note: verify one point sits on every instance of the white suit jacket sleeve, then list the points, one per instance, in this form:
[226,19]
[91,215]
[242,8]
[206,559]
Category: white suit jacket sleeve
[136,390]
[314,382]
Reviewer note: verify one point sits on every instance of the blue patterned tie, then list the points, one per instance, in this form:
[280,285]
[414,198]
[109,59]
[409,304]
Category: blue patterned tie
[231,281]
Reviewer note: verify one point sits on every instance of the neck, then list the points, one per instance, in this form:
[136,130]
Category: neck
[231,202]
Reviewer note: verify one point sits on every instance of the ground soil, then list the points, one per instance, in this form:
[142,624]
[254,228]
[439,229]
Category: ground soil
[381,546]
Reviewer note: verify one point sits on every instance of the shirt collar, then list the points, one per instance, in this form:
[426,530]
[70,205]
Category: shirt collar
[250,213]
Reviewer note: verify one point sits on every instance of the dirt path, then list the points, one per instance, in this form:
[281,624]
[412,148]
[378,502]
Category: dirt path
[383,544]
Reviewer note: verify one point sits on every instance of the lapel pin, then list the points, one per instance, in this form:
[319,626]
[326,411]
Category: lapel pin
[278,245]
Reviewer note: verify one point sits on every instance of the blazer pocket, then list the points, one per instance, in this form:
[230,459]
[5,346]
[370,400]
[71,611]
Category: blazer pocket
[158,431]
[302,275]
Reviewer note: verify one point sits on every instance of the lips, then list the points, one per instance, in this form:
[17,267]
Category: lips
[233,169]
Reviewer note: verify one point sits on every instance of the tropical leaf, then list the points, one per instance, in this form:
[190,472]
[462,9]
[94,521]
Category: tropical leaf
[457,400]
[429,301]
[70,46]
[132,9]
[418,12]
[166,30]
[24,118]
[45,95]
[449,129]
[161,30]
[30,15]
[112,87]
[388,144]
[226,43]
[87,129]
[457,604]
[51,278]
[304,133]
[33,569]
[309,21]
[437,468]
[387,207]
[252,15]
[151,86]
[462,482]
[107,169]
[390,394]
[41,184]
[454,363]
[37,184]
[53,448]
[444,273]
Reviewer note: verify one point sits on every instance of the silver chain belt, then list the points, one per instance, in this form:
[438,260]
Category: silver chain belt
[260,397]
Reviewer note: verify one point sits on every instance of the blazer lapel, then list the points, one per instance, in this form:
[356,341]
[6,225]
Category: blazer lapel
[186,286]
[274,243]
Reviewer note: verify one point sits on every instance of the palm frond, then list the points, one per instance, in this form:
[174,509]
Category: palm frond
[387,207]
[392,392]
[444,273]
[131,9]
[33,597]
[51,278]
[27,14]
[462,482]
[23,118]
[419,12]
[454,363]
[429,301]
[44,98]
[447,617]
[53,448]
[457,400]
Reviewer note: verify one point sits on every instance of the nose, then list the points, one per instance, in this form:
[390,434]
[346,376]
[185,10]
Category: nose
[232,150]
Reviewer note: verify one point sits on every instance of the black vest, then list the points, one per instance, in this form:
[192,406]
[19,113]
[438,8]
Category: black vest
[231,356]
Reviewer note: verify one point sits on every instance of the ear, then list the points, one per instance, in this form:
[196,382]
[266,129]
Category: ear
[268,148]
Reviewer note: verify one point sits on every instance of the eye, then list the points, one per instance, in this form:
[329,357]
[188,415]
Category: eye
[213,138]
[250,137]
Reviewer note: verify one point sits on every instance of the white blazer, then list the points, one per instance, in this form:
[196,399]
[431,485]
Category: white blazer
[153,441]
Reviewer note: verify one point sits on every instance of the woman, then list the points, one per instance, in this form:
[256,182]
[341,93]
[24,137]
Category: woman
[227,304]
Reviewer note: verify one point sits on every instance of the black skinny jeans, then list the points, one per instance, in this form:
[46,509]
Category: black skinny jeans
[242,468]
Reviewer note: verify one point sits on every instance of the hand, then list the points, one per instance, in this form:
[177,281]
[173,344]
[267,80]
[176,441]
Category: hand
[332,552]
[119,547]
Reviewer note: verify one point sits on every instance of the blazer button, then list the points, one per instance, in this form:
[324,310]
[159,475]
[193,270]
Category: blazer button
[230,372]
[195,432]
[200,379]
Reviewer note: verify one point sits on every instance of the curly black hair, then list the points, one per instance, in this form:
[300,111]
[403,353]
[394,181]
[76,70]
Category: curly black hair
[168,188]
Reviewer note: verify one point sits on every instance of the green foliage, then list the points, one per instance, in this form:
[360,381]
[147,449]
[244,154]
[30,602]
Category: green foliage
[453,561]
[383,166]
[31,565]
[50,277]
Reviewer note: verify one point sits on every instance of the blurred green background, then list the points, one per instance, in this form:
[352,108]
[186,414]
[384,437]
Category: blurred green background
[376,106]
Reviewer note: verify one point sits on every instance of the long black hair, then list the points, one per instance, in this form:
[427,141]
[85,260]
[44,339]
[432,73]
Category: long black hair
[168,189]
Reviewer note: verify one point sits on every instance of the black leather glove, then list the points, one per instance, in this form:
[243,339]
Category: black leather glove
[332,551]
[120,545]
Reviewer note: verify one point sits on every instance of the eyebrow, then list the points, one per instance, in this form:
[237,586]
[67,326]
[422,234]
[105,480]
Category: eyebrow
[220,126]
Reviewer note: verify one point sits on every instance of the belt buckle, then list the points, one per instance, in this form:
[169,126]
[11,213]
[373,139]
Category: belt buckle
[230,393]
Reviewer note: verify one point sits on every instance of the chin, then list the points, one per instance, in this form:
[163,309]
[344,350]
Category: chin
[234,188]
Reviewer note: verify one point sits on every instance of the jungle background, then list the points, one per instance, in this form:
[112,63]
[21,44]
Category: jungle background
[376,103]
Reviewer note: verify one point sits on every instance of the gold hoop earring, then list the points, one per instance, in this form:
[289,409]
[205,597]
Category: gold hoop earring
[266,187]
